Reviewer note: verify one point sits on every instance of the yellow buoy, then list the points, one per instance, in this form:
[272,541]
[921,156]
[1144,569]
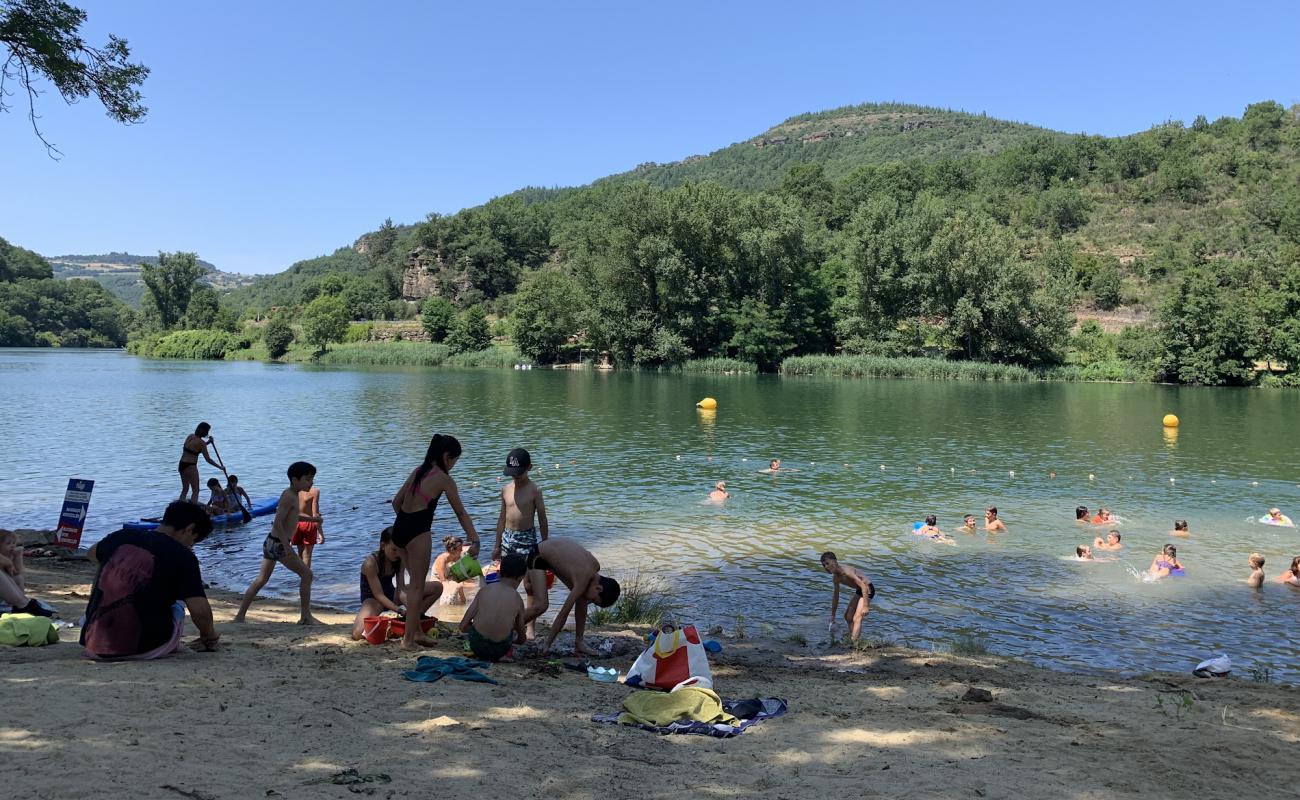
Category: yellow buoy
[1170,421]
[708,404]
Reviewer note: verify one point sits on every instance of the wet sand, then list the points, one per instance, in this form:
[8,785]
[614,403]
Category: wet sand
[286,711]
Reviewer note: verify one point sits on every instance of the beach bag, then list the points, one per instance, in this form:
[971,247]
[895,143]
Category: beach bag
[675,658]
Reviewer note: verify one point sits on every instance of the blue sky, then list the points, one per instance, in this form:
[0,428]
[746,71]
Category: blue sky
[281,130]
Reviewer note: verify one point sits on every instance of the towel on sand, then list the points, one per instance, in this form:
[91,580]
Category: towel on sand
[429,669]
[701,712]
[27,629]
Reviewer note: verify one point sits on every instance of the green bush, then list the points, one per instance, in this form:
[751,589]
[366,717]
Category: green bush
[278,336]
[358,332]
[719,365]
[201,344]
[504,357]
[399,354]
[437,316]
[1108,370]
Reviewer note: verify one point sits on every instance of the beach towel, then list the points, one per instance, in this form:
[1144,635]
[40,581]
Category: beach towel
[746,712]
[429,669]
[27,630]
[675,658]
[685,703]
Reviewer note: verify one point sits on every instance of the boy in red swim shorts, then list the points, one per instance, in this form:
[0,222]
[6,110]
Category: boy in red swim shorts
[311,529]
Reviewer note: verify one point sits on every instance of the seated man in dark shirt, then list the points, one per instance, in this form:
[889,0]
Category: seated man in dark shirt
[145,582]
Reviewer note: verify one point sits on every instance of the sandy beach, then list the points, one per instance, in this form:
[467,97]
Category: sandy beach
[286,711]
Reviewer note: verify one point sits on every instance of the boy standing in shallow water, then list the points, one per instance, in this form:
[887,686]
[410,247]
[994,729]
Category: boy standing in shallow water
[522,513]
[276,548]
[1256,579]
[310,530]
[859,605]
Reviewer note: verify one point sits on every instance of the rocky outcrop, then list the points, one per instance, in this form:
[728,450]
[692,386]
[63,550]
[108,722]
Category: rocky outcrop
[420,275]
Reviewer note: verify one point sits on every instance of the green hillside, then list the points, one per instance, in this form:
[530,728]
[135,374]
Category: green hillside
[841,140]
[119,273]
[1171,254]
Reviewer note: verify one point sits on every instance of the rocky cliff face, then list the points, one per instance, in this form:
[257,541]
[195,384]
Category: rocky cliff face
[427,275]
[420,275]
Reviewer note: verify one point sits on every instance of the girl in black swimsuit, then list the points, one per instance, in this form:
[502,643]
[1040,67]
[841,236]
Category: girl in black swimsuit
[195,445]
[415,503]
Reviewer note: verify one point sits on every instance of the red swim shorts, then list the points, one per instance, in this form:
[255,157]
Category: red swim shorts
[306,533]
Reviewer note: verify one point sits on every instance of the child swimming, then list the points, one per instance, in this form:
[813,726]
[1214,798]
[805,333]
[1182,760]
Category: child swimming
[1111,542]
[1166,564]
[1180,528]
[1276,517]
[967,524]
[1104,517]
[930,530]
[1083,552]
[1081,514]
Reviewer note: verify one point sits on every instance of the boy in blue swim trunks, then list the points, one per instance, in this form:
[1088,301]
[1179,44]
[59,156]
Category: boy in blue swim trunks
[523,513]
[495,619]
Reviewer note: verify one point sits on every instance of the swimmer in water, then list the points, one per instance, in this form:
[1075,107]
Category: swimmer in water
[991,522]
[967,524]
[1276,517]
[930,530]
[1083,552]
[1167,563]
[774,466]
[1256,579]
[1292,575]
[1081,514]
[1111,542]
[719,493]
[1103,517]
[1180,528]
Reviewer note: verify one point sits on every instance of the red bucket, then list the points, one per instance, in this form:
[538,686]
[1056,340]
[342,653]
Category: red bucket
[378,630]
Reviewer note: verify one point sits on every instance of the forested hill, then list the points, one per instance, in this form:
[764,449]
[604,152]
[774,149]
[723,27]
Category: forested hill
[924,232]
[841,140]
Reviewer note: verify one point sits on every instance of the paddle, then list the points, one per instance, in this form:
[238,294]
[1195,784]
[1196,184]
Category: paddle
[243,512]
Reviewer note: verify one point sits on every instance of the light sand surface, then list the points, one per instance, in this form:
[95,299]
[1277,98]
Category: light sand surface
[281,710]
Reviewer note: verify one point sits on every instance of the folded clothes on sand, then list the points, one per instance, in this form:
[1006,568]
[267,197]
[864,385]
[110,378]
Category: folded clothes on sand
[693,710]
[429,669]
[27,630]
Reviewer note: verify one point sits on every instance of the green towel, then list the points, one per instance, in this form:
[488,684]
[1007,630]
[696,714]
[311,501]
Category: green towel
[659,709]
[27,629]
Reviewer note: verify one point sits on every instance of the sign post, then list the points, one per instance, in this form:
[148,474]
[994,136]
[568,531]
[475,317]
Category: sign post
[73,516]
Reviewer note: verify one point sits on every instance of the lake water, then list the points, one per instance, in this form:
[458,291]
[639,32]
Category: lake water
[625,460]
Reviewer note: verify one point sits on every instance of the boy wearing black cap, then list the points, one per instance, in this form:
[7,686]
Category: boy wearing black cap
[522,513]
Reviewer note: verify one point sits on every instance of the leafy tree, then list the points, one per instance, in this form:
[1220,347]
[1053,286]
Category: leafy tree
[437,315]
[381,243]
[42,39]
[203,308]
[1105,285]
[546,314]
[471,332]
[365,298]
[1205,332]
[325,321]
[170,283]
[278,336]
[1263,123]
[760,336]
